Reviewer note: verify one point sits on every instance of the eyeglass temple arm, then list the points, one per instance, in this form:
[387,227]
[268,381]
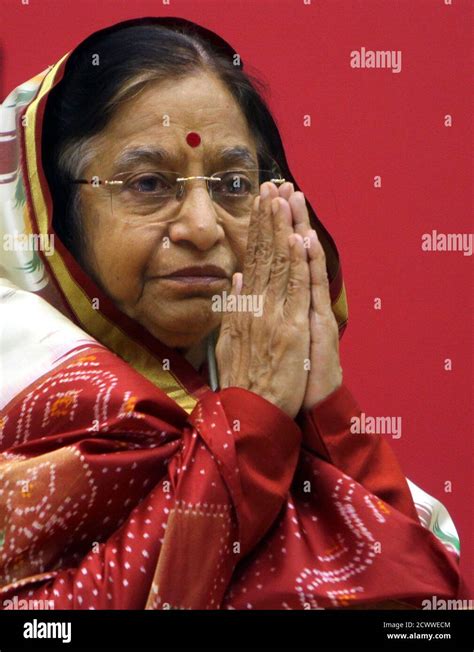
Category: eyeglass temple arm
[107,182]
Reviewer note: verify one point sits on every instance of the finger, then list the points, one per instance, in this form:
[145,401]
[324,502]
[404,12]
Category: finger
[258,267]
[235,290]
[286,190]
[236,327]
[280,269]
[300,213]
[229,337]
[253,239]
[297,297]
[252,235]
[320,295]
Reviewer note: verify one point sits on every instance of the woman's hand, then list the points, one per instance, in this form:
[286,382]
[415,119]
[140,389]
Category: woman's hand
[269,354]
[325,374]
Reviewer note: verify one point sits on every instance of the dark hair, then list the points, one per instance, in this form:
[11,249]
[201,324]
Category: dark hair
[81,104]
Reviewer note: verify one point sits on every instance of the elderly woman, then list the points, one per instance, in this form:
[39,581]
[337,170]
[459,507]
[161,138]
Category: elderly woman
[175,432]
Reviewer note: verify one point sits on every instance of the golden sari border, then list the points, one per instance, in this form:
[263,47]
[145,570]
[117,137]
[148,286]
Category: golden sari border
[340,309]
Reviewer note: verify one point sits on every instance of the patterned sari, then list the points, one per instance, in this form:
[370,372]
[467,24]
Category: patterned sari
[125,482]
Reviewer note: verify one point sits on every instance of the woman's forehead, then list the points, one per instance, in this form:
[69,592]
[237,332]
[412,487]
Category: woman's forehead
[159,120]
[194,102]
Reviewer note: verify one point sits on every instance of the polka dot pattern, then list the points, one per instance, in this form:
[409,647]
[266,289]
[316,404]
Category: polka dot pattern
[105,505]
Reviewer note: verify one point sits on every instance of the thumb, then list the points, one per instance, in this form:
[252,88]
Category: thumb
[237,280]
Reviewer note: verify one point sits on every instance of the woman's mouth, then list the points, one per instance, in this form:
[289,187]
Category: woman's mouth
[198,277]
[195,280]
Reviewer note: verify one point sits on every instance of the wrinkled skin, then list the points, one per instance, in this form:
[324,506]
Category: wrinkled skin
[268,355]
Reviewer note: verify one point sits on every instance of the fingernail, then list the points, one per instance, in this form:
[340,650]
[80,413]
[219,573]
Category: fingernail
[238,283]
[264,192]
[235,283]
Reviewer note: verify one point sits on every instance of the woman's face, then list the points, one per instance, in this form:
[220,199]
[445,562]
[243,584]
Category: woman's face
[132,257]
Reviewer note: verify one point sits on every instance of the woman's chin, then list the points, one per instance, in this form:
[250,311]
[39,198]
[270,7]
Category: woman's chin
[183,334]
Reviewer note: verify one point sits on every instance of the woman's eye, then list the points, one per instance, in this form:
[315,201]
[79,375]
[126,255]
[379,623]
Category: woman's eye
[149,183]
[234,184]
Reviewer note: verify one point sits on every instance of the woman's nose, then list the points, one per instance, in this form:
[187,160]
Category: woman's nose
[197,220]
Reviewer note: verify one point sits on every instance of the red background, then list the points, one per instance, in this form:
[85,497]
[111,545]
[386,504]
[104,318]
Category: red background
[364,123]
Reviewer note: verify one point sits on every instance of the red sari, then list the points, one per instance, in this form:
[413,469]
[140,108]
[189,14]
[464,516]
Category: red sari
[155,508]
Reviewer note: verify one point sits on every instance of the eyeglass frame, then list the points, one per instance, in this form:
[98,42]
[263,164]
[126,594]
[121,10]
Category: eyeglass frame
[181,180]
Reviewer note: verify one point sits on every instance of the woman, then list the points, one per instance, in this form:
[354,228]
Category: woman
[162,449]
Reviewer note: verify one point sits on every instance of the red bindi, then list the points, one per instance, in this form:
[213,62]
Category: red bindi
[193,139]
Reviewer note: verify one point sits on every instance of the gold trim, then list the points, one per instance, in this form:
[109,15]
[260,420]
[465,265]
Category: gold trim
[97,324]
[339,307]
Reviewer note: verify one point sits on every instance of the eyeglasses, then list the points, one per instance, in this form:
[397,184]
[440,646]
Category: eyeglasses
[151,194]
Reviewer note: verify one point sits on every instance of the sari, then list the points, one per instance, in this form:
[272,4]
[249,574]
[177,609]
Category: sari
[126,482]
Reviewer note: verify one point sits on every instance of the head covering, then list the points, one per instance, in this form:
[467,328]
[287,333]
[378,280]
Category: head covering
[26,208]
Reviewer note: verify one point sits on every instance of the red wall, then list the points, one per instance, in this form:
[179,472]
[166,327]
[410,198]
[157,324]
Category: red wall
[364,123]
